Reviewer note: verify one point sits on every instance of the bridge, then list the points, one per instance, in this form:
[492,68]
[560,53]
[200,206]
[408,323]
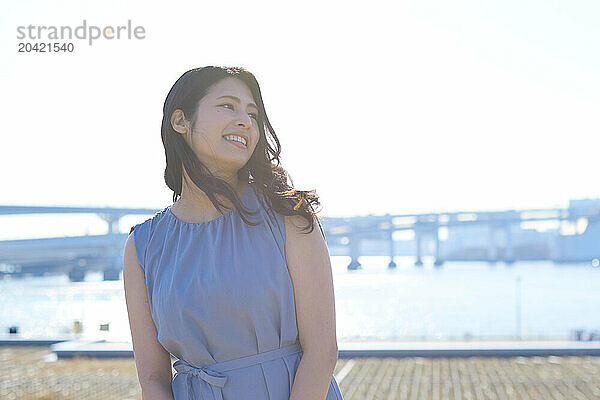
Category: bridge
[459,236]
[73,255]
[473,235]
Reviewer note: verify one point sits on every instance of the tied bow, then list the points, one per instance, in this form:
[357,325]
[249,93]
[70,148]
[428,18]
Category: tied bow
[211,382]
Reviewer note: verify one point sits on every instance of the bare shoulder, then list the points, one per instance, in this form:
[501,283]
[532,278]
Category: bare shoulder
[134,281]
[300,245]
[295,230]
[309,265]
[153,362]
[129,254]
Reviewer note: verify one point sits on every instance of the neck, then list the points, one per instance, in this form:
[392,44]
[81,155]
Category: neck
[194,203]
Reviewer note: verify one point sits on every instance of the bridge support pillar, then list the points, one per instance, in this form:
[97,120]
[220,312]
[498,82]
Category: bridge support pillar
[111,274]
[509,257]
[392,264]
[438,261]
[112,221]
[418,239]
[354,253]
[492,250]
[77,274]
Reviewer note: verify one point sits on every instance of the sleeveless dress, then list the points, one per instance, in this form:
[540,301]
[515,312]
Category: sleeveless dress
[222,300]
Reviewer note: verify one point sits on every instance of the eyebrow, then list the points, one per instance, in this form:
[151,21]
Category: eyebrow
[238,100]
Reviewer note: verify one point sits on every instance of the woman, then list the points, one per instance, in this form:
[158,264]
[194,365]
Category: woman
[225,279]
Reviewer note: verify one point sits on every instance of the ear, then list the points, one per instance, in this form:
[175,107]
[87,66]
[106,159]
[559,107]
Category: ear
[179,123]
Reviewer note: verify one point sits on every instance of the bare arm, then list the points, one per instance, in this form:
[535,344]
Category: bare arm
[308,261]
[152,361]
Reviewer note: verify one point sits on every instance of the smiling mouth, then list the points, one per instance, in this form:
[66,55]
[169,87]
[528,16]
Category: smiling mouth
[237,144]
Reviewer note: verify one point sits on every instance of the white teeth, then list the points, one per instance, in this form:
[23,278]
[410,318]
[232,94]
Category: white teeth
[236,139]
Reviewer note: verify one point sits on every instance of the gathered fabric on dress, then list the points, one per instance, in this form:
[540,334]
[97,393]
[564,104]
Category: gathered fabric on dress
[222,300]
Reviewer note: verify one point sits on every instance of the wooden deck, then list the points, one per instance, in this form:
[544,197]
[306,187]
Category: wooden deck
[33,372]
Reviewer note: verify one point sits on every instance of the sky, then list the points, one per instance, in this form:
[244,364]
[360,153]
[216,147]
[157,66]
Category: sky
[381,107]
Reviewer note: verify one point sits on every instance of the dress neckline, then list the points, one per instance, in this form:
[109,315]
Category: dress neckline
[172,216]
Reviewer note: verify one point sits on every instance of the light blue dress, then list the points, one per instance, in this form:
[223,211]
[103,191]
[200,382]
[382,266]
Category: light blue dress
[222,301]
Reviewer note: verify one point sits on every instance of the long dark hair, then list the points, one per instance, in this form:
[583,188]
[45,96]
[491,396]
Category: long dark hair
[263,167]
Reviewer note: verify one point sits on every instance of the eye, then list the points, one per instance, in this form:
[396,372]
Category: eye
[253,115]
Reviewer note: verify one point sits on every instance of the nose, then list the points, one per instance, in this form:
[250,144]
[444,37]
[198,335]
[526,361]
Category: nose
[244,120]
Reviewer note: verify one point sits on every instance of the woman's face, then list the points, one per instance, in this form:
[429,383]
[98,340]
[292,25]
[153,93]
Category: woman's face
[228,109]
